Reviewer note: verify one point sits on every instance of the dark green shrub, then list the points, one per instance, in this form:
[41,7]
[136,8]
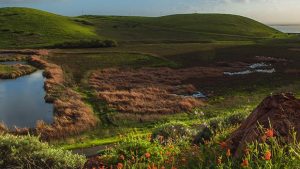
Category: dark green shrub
[29,152]
[234,119]
[204,134]
[95,43]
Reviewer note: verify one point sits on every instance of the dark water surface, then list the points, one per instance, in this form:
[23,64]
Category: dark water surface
[22,101]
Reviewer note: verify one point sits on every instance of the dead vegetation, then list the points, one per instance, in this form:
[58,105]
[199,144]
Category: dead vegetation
[150,90]
[71,114]
[18,70]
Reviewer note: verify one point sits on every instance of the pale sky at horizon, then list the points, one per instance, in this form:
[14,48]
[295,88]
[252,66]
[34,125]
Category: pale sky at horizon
[266,11]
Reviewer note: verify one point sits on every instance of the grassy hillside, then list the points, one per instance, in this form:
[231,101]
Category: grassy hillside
[23,27]
[182,27]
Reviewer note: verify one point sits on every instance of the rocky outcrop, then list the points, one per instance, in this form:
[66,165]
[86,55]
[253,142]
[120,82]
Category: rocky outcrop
[280,113]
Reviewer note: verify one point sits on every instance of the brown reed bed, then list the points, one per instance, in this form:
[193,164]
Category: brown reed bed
[71,114]
[149,90]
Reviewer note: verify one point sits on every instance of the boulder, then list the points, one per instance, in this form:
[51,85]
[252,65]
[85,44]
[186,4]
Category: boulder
[280,112]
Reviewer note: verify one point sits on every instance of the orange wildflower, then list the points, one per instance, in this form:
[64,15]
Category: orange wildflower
[268,155]
[147,155]
[163,167]
[119,166]
[228,153]
[270,133]
[245,163]
[223,145]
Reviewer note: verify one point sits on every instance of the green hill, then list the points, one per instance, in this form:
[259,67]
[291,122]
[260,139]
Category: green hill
[182,27]
[24,27]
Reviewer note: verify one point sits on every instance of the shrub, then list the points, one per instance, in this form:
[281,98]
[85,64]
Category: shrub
[87,44]
[29,152]
[173,131]
[140,152]
[203,135]
[234,119]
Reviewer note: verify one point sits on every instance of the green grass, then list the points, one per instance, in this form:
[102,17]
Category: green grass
[31,28]
[6,69]
[182,28]
[78,65]
[24,27]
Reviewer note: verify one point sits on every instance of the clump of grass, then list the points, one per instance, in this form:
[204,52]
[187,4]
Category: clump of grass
[15,71]
[29,152]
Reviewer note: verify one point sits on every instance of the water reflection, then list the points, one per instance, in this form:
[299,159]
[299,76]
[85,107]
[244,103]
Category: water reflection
[22,101]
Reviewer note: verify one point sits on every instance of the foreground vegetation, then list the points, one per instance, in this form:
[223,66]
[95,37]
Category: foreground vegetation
[29,152]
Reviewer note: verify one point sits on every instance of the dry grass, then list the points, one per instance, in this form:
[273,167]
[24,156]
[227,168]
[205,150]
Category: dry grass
[71,114]
[149,90]
[16,71]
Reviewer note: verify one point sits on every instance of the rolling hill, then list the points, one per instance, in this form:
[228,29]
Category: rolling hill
[182,27]
[25,28]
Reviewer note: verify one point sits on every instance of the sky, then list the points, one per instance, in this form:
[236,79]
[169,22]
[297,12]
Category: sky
[266,11]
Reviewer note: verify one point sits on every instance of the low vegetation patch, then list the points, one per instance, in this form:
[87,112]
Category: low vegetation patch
[29,152]
[87,44]
[150,90]
[14,71]
[159,150]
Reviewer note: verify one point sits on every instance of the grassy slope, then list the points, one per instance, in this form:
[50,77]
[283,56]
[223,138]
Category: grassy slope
[24,27]
[182,27]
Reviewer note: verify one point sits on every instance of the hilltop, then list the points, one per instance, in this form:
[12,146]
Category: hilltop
[26,28]
[182,27]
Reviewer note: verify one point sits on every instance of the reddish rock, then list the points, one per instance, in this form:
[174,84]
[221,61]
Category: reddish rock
[281,111]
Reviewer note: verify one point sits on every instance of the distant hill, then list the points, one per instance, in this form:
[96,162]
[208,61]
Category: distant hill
[25,28]
[182,27]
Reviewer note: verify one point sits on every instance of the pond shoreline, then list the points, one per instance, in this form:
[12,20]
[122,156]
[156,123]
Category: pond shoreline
[71,115]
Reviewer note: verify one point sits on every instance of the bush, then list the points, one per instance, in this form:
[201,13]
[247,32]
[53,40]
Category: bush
[139,152]
[29,152]
[87,44]
[234,119]
[173,131]
[204,134]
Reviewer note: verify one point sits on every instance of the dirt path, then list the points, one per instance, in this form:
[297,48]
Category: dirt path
[90,151]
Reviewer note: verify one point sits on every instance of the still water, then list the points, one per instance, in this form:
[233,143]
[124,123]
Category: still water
[22,101]
[287,28]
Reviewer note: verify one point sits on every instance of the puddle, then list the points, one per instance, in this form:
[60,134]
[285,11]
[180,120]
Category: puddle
[14,63]
[254,68]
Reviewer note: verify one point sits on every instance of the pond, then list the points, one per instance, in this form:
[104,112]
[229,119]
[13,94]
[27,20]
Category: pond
[22,101]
